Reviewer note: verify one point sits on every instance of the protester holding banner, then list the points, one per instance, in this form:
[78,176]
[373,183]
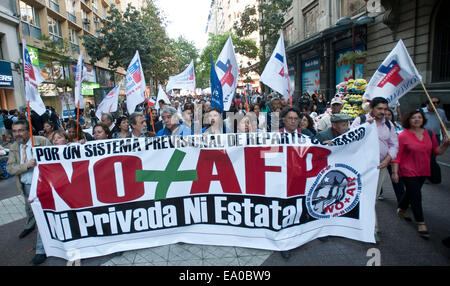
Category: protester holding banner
[172,124]
[101,132]
[290,117]
[412,164]
[138,125]
[60,137]
[124,128]
[339,125]
[21,163]
[216,124]
[387,138]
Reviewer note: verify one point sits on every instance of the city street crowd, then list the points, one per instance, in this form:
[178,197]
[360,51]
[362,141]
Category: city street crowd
[409,141]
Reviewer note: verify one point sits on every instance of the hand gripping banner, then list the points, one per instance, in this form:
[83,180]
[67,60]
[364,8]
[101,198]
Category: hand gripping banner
[272,191]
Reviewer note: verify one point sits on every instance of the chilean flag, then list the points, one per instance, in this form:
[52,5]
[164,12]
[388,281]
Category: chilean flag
[275,74]
[135,84]
[31,85]
[395,77]
[227,70]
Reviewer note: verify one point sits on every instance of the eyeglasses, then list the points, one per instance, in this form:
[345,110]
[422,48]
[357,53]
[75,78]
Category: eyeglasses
[436,102]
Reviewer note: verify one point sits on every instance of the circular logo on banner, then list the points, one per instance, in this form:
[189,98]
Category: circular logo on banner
[335,192]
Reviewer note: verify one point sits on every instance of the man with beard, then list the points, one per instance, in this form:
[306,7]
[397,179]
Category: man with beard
[21,164]
[387,139]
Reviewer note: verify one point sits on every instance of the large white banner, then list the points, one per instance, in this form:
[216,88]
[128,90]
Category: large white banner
[272,191]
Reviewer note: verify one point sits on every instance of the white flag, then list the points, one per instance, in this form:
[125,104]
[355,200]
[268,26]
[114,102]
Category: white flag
[31,84]
[184,80]
[109,103]
[135,83]
[79,76]
[275,74]
[227,71]
[161,95]
[395,77]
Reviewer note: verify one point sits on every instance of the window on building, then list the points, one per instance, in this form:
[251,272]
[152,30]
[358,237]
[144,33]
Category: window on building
[29,14]
[53,4]
[74,41]
[441,45]
[54,29]
[288,32]
[311,18]
[30,20]
[351,8]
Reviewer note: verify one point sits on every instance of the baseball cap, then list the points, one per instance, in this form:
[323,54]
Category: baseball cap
[339,117]
[336,100]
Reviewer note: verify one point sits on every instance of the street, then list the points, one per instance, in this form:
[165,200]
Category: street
[400,243]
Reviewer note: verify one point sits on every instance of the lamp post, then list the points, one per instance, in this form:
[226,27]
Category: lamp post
[363,20]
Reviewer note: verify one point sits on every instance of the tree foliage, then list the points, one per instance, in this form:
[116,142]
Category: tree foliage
[266,17]
[143,30]
[215,45]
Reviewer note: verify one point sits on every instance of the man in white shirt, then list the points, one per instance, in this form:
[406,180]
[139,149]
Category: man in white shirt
[21,164]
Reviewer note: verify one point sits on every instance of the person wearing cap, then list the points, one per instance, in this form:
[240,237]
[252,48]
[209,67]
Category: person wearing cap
[325,122]
[339,125]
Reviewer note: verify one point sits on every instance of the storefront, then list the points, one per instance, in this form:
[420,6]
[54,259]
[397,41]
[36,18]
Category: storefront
[6,86]
[316,60]
[311,75]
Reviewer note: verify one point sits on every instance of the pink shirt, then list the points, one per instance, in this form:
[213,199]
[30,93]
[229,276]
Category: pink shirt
[386,137]
[414,155]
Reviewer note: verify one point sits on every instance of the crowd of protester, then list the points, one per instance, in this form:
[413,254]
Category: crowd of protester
[406,147]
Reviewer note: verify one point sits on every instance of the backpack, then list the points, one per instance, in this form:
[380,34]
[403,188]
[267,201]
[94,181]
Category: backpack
[363,120]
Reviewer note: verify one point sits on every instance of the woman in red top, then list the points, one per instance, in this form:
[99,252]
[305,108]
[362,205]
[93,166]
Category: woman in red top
[412,164]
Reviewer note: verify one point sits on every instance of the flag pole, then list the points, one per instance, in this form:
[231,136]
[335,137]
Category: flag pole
[29,123]
[195,105]
[78,119]
[289,87]
[435,110]
[246,100]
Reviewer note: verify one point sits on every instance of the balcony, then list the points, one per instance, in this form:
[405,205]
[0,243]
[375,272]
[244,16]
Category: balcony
[31,31]
[71,18]
[53,5]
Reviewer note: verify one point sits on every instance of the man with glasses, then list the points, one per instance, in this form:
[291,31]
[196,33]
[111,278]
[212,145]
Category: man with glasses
[21,164]
[291,118]
[433,122]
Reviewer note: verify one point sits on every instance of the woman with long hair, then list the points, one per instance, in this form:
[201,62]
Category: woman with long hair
[412,164]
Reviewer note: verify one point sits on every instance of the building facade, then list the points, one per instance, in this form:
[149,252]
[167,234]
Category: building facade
[11,75]
[319,31]
[52,31]
[223,14]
